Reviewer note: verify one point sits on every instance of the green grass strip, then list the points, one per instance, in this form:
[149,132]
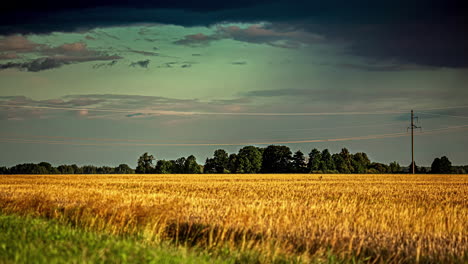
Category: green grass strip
[35,240]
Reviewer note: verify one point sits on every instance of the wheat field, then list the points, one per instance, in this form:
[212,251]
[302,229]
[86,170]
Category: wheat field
[304,217]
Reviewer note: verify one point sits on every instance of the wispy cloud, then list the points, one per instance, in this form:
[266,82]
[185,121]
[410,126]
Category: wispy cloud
[259,34]
[55,57]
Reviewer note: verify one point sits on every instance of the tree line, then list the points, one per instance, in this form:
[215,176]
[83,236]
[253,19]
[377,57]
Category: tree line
[249,159]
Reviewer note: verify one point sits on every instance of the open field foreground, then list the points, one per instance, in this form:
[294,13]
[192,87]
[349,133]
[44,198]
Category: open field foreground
[368,218]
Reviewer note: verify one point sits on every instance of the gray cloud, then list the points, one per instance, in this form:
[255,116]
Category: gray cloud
[48,63]
[373,67]
[195,40]
[56,57]
[259,34]
[143,63]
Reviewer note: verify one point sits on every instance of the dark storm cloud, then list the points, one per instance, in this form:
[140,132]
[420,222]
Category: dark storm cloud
[372,67]
[142,64]
[428,33]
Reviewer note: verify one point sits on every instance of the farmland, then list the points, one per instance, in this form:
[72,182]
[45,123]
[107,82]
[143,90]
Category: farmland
[293,217]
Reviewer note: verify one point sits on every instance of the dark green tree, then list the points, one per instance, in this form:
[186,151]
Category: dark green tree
[105,170]
[179,165]
[89,169]
[76,169]
[123,169]
[249,160]
[48,168]
[315,160]
[220,159]
[209,166]
[66,169]
[360,162]
[327,164]
[394,167]
[299,164]
[276,159]
[377,167]
[441,166]
[340,163]
[233,163]
[164,167]
[191,165]
[4,170]
[145,164]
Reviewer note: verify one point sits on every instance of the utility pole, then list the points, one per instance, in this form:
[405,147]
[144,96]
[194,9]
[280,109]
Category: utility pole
[413,126]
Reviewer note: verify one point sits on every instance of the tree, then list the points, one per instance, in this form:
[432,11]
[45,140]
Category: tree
[220,160]
[48,168]
[89,169]
[76,169]
[105,170]
[327,164]
[276,159]
[394,167]
[340,164]
[123,169]
[65,169]
[299,164]
[179,165]
[145,164]
[233,163]
[249,160]
[315,160]
[347,165]
[4,170]
[441,165]
[164,167]
[360,162]
[191,165]
[376,167]
[209,166]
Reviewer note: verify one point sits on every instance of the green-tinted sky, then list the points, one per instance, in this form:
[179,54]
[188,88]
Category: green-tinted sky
[106,94]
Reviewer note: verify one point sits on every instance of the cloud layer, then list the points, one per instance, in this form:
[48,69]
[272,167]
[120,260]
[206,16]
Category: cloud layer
[52,57]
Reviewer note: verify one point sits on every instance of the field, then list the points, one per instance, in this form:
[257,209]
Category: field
[260,218]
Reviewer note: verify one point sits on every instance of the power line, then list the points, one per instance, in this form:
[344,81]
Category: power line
[378,136]
[192,113]
[456,116]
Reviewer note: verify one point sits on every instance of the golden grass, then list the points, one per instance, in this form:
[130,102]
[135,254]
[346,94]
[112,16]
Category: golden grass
[379,218]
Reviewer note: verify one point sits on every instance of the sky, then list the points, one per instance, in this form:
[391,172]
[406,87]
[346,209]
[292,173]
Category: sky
[101,82]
